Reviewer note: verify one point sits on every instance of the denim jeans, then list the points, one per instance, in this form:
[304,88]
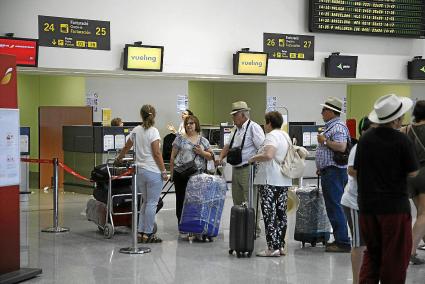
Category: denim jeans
[149,184]
[333,182]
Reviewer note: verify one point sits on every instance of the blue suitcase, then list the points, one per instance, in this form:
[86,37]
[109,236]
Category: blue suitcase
[203,205]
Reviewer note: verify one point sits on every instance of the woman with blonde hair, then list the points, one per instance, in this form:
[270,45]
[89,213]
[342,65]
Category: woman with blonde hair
[151,171]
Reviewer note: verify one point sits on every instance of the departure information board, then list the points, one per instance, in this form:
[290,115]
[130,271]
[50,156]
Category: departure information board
[395,18]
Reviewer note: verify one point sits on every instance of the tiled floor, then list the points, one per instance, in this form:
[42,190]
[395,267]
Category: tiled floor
[83,255]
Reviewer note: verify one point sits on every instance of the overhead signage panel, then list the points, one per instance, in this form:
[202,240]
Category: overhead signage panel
[289,46]
[394,18]
[252,63]
[74,33]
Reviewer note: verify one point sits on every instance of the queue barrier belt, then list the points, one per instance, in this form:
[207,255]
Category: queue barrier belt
[71,171]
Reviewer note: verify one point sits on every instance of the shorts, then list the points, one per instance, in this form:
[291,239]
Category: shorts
[416,185]
[352,216]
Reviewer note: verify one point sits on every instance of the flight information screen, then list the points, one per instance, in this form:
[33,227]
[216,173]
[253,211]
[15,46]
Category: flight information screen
[395,18]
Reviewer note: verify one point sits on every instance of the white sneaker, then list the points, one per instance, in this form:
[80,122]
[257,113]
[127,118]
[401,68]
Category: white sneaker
[269,253]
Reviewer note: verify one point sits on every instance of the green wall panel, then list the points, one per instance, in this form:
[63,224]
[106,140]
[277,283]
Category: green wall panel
[201,101]
[212,101]
[62,91]
[360,98]
[35,91]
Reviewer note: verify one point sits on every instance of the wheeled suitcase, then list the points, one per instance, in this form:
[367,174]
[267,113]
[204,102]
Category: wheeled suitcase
[311,223]
[203,205]
[242,224]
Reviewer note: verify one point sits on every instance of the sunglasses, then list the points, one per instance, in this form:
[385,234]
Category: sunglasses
[190,123]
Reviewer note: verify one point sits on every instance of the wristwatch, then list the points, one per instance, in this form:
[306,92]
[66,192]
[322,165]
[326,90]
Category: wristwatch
[325,142]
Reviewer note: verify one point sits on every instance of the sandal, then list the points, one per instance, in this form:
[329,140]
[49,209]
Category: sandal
[269,253]
[150,239]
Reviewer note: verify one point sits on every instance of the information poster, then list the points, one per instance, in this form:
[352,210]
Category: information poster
[74,33]
[9,147]
[289,46]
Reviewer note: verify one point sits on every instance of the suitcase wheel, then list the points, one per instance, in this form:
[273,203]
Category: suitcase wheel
[230,251]
[108,231]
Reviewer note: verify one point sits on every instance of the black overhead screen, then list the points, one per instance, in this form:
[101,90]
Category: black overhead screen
[394,18]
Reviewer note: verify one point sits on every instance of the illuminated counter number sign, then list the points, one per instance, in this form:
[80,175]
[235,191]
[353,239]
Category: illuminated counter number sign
[289,46]
[394,18]
[74,33]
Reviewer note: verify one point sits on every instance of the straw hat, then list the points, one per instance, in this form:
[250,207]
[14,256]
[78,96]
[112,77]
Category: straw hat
[389,108]
[239,106]
[333,104]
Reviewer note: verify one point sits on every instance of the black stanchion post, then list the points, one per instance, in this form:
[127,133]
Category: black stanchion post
[55,228]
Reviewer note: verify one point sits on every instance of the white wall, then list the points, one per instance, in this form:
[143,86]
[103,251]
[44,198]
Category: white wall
[200,36]
[126,96]
[303,99]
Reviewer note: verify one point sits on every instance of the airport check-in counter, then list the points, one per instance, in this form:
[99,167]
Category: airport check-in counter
[87,146]
[306,136]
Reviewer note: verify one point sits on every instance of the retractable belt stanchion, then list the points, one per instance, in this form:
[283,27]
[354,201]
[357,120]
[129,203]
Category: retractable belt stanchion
[55,228]
[134,249]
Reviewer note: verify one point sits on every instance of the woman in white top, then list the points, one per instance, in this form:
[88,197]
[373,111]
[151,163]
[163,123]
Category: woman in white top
[272,184]
[151,171]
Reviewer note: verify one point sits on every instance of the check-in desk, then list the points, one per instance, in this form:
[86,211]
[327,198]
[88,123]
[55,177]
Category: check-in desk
[86,147]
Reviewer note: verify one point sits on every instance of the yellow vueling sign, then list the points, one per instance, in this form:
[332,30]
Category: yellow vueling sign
[252,63]
[144,58]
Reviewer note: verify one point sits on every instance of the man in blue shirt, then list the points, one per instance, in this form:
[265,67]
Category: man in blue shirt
[333,176]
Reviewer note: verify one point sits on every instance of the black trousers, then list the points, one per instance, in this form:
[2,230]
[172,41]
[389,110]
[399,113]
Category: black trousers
[180,184]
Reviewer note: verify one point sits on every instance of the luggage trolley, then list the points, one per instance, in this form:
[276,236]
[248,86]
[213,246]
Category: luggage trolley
[112,209]
[113,171]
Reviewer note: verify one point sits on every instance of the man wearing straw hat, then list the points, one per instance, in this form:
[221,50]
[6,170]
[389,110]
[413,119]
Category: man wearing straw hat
[249,136]
[333,175]
[384,160]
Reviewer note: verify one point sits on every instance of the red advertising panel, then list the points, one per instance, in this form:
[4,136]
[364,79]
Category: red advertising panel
[25,50]
[9,195]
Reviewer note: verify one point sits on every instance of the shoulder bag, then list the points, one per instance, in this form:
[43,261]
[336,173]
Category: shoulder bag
[234,156]
[187,169]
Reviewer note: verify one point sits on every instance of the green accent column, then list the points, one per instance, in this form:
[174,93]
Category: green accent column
[36,90]
[360,98]
[212,101]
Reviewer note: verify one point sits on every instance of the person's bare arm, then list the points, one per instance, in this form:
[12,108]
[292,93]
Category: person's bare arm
[157,156]
[413,174]
[333,145]
[352,172]
[124,150]
[267,155]
[223,154]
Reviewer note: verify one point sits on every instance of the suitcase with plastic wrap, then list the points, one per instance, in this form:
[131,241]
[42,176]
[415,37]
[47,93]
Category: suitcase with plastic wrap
[203,205]
[242,224]
[311,223]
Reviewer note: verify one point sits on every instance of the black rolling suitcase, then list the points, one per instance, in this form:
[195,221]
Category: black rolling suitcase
[242,224]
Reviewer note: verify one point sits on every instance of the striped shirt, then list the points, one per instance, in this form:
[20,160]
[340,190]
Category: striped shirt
[335,130]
